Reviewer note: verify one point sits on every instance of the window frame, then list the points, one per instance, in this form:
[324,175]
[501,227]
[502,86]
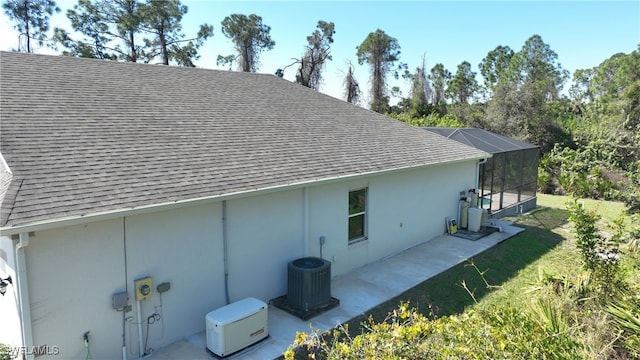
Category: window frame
[364,214]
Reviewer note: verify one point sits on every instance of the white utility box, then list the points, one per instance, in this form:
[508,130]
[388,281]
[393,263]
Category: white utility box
[235,326]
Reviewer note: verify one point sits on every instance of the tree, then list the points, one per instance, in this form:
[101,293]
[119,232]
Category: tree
[580,92]
[522,103]
[127,26]
[381,52]
[615,88]
[31,19]
[463,85]
[89,23]
[439,78]
[537,66]
[317,52]
[250,37]
[110,29]
[352,88]
[420,93]
[494,67]
[162,20]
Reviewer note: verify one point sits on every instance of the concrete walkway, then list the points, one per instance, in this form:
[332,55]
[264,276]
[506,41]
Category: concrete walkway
[358,291]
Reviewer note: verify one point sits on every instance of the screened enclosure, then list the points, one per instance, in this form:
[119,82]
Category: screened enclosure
[508,180]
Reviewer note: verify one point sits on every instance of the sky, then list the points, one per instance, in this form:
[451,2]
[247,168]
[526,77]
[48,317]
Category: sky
[582,33]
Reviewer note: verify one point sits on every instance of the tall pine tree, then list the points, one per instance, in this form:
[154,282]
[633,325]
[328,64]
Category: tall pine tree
[31,18]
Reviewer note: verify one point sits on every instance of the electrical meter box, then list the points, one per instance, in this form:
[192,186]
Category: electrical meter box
[144,288]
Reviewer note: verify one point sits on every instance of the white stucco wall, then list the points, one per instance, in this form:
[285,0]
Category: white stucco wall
[182,247]
[265,233]
[404,209]
[74,271]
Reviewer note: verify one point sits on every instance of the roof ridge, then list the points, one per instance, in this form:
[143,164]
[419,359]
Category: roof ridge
[130,63]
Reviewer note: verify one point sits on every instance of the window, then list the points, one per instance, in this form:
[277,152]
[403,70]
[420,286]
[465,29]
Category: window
[357,215]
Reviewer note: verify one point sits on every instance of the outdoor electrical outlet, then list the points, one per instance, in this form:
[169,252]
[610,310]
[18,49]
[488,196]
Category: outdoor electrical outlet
[322,240]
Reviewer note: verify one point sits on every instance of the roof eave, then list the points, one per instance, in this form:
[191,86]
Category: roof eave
[114,214]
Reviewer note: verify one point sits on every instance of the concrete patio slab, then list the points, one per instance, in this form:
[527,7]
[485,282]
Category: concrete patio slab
[358,291]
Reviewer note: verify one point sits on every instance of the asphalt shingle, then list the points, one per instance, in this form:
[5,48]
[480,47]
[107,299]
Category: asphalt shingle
[482,139]
[83,136]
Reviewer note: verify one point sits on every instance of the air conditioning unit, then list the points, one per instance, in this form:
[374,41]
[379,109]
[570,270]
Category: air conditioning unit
[308,283]
[236,326]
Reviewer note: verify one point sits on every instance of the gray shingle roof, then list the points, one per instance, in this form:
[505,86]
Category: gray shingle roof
[83,136]
[482,139]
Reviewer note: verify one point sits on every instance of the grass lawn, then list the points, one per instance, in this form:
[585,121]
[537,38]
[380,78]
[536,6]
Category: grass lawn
[510,268]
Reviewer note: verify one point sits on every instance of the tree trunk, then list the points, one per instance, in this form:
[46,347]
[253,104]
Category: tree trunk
[134,56]
[246,67]
[26,23]
[163,45]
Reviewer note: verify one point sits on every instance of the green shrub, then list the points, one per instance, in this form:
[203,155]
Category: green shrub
[5,352]
[498,333]
[600,255]
[603,165]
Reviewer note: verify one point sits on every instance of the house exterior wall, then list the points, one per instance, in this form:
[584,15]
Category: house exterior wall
[74,271]
[264,233]
[182,247]
[71,274]
[404,209]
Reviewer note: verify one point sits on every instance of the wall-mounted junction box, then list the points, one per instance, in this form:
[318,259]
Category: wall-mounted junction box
[163,287]
[119,300]
[144,288]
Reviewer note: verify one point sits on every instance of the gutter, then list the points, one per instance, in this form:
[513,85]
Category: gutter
[113,214]
[23,294]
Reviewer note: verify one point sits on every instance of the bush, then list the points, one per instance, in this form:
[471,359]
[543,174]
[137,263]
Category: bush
[604,165]
[5,352]
[600,255]
[503,333]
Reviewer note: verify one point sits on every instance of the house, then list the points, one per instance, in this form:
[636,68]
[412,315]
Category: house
[508,181]
[207,182]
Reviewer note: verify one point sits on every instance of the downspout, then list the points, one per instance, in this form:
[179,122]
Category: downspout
[23,294]
[305,222]
[126,287]
[225,251]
